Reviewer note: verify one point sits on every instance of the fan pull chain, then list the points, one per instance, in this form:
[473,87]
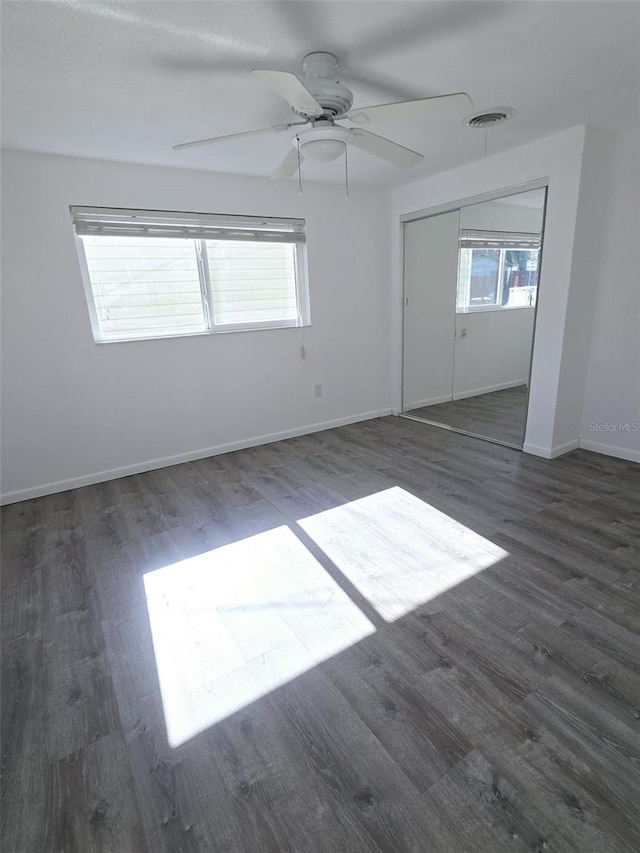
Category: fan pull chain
[300,190]
[486,133]
[346,170]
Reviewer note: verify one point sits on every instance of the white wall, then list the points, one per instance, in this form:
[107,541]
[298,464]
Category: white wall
[76,412]
[494,353]
[612,395]
[586,262]
[558,160]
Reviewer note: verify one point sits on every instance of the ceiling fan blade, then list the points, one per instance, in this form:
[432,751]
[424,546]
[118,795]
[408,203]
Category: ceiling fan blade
[439,108]
[212,139]
[291,89]
[289,165]
[384,148]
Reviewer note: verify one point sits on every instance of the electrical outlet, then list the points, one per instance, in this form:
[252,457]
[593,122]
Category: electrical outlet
[317,390]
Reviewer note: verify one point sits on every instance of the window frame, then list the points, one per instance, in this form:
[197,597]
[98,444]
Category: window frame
[300,275]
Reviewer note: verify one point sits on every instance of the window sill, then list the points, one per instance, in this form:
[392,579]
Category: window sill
[202,334]
[482,309]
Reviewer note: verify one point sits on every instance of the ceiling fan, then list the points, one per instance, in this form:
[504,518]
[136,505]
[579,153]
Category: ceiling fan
[321,101]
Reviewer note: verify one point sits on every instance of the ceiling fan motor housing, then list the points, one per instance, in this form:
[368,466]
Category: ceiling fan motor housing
[320,71]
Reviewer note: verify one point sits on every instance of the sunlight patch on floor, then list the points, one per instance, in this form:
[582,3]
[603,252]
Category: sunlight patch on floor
[399,551]
[235,623]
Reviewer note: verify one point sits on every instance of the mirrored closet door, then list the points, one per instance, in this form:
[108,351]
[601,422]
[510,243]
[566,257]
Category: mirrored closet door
[430,256]
[470,294]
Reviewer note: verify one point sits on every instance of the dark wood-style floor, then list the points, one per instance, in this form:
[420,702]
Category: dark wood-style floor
[391,638]
[498,415]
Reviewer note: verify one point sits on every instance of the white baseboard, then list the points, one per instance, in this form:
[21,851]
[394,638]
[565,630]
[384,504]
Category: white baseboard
[432,401]
[515,383]
[550,452]
[610,450]
[583,444]
[152,464]
[463,395]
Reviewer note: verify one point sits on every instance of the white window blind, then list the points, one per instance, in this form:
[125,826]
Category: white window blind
[250,284]
[117,222]
[158,273]
[144,287]
[475,239]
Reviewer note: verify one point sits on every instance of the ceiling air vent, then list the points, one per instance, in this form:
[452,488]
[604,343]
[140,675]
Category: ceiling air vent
[487,118]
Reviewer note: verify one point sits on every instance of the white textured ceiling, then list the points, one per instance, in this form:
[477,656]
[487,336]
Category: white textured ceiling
[125,81]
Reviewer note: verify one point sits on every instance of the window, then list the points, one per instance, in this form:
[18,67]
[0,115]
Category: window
[151,274]
[497,269]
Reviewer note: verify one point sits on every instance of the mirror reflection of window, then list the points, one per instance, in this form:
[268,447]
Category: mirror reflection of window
[497,269]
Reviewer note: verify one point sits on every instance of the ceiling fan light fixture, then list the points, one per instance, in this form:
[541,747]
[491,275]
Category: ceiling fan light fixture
[323,144]
[324,150]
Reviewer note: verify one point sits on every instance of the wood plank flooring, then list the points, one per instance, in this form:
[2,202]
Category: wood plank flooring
[382,638]
[498,415]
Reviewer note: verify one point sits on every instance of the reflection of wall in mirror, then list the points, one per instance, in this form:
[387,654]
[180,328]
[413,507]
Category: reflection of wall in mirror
[498,215]
[495,351]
